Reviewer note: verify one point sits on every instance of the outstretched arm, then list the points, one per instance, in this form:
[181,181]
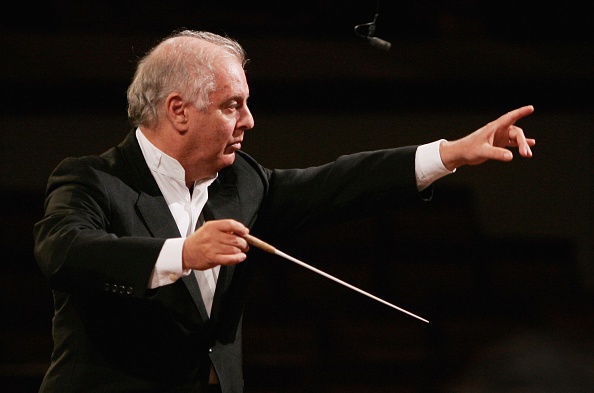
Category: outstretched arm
[489,142]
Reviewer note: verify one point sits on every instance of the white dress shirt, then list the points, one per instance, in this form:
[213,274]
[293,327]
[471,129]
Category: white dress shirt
[186,208]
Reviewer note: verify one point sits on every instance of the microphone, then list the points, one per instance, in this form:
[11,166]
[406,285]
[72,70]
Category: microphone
[370,37]
[379,43]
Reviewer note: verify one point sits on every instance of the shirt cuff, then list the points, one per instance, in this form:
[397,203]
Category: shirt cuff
[168,268]
[428,165]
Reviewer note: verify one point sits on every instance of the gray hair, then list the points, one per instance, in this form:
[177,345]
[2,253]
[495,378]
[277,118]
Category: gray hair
[177,64]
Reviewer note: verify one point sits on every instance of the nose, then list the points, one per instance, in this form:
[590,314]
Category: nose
[246,121]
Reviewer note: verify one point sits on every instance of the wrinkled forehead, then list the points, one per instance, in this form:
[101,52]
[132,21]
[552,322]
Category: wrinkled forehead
[230,75]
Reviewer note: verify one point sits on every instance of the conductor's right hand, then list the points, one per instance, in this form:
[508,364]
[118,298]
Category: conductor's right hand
[217,242]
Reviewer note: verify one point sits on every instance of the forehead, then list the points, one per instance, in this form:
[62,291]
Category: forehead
[230,77]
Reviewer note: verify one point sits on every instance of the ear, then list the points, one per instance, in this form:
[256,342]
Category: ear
[176,111]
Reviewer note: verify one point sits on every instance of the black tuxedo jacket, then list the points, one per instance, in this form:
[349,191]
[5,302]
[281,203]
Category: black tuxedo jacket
[104,225]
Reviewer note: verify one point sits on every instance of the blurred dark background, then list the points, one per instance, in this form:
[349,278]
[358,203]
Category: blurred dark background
[500,262]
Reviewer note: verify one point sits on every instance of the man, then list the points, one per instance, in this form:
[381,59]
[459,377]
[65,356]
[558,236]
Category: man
[144,301]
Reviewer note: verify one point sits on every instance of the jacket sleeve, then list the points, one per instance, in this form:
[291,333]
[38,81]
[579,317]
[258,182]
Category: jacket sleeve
[352,184]
[76,246]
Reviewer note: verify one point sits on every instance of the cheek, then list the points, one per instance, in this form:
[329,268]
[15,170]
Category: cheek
[225,132]
[219,140]
[214,133]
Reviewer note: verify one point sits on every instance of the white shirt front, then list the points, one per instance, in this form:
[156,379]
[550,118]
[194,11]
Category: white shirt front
[185,208]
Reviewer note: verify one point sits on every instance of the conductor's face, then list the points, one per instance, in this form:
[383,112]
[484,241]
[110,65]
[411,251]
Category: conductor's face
[218,131]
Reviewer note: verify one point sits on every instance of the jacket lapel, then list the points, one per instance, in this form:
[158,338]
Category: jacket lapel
[192,285]
[151,205]
[155,214]
[153,210]
[223,203]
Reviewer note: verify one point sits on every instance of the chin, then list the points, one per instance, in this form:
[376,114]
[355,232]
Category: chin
[227,159]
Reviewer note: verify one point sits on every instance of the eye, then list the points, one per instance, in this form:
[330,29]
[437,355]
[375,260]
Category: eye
[231,106]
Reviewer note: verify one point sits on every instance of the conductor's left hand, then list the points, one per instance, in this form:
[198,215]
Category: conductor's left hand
[489,142]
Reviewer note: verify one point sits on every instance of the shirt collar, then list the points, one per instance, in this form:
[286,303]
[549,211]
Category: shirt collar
[158,161]
[164,164]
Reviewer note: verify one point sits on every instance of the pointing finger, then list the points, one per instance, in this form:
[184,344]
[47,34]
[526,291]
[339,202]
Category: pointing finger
[513,116]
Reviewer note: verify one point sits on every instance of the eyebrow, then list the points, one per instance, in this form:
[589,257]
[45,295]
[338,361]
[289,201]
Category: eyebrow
[236,98]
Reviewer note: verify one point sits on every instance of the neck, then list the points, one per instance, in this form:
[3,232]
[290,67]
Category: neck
[172,145]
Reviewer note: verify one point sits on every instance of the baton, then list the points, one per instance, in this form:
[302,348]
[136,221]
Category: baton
[254,241]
